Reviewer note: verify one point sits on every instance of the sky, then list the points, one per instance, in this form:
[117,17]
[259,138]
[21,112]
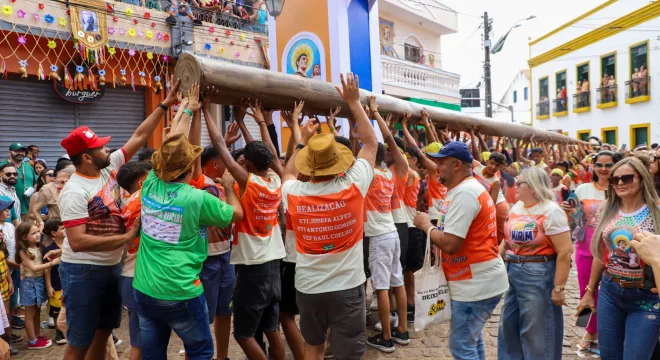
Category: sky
[462,52]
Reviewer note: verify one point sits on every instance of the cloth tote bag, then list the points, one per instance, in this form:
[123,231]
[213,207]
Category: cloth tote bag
[432,301]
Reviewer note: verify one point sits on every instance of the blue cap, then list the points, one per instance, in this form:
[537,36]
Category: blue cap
[456,149]
[5,203]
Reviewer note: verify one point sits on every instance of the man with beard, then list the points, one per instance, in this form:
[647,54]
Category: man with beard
[26,178]
[9,175]
[92,251]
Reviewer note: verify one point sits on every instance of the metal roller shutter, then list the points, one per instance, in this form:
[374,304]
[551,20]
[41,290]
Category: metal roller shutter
[117,114]
[31,113]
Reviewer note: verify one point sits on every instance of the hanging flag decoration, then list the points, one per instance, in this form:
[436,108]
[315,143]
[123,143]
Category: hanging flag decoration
[132,82]
[40,73]
[3,69]
[89,27]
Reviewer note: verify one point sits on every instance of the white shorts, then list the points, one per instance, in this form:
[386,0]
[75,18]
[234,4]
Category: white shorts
[384,263]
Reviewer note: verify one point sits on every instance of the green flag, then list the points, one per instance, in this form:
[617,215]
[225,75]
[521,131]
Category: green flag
[499,44]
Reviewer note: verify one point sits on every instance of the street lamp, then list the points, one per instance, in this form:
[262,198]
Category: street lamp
[275,7]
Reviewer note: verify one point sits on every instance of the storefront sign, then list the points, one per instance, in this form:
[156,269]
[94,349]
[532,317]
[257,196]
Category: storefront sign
[78,96]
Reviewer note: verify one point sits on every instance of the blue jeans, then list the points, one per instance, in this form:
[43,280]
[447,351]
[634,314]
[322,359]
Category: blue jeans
[531,326]
[628,321]
[188,318]
[467,321]
[91,299]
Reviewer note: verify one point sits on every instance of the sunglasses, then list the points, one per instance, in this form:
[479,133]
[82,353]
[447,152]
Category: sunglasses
[625,179]
[11,174]
[50,174]
[608,165]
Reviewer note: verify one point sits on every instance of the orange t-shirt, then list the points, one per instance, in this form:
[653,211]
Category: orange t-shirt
[378,204]
[476,271]
[258,238]
[410,197]
[527,231]
[437,192]
[131,207]
[398,208]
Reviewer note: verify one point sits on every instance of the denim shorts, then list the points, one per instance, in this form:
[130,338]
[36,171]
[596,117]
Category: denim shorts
[188,319]
[218,278]
[33,291]
[257,298]
[91,299]
[126,291]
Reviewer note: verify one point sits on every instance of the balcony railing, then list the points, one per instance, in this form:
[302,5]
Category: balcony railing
[543,108]
[209,15]
[582,100]
[559,106]
[607,94]
[638,88]
[402,72]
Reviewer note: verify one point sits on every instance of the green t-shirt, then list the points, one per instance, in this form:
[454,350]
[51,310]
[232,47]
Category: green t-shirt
[26,179]
[172,249]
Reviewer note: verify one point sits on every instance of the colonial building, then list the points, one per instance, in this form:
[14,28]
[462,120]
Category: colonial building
[593,76]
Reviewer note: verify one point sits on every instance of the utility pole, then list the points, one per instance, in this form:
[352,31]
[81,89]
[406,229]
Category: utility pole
[489,95]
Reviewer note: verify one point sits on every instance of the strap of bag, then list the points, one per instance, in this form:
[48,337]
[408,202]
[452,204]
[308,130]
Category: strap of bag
[427,253]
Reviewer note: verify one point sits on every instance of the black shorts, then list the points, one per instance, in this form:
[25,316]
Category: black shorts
[365,256]
[416,249]
[256,298]
[288,278]
[402,230]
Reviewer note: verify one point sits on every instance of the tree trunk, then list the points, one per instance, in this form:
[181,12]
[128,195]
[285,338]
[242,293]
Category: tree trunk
[280,91]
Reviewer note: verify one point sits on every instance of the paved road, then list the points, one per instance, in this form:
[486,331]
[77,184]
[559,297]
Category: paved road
[428,344]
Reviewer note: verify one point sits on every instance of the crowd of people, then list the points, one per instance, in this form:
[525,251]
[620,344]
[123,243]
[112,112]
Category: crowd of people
[248,11]
[187,237]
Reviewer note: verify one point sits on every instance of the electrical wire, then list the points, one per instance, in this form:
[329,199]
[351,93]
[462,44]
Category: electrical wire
[443,8]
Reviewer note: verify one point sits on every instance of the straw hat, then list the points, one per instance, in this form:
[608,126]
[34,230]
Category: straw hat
[323,156]
[175,157]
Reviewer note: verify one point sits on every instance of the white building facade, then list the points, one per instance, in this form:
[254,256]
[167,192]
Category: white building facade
[410,35]
[597,75]
[517,96]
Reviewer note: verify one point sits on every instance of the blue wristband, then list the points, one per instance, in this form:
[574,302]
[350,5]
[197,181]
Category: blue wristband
[188,112]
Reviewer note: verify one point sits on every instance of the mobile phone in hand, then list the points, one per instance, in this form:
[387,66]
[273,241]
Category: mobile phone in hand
[583,318]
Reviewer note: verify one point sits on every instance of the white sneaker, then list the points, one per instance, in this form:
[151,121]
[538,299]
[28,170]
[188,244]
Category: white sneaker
[394,322]
[51,322]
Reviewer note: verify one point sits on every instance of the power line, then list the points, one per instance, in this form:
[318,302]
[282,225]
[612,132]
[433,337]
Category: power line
[442,8]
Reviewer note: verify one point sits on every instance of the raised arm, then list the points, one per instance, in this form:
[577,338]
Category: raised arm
[400,163]
[290,170]
[407,138]
[350,92]
[430,130]
[474,147]
[236,170]
[331,121]
[195,138]
[232,135]
[258,115]
[239,117]
[183,126]
[148,126]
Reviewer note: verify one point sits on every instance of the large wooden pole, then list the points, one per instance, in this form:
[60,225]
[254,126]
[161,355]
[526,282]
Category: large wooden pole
[280,91]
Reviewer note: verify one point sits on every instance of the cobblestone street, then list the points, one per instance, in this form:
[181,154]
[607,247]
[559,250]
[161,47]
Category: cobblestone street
[428,344]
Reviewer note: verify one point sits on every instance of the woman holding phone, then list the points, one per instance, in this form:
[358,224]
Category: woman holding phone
[628,311]
[537,251]
[589,197]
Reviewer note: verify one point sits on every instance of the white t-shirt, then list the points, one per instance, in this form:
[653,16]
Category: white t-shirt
[328,221]
[94,202]
[8,231]
[476,271]
[488,182]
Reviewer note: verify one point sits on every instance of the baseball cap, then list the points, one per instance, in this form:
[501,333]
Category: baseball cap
[5,203]
[456,149]
[16,146]
[81,139]
[433,148]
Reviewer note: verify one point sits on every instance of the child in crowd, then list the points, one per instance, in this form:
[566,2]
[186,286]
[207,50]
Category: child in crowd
[130,177]
[33,289]
[54,234]
[6,283]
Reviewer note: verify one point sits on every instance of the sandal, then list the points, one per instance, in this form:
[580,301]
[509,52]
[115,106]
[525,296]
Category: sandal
[589,342]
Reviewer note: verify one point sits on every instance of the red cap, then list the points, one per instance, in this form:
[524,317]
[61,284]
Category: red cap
[81,139]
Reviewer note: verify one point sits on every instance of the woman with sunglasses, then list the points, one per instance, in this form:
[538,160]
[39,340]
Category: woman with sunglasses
[45,177]
[628,311]
[654,168]
[589,197]
[537,251]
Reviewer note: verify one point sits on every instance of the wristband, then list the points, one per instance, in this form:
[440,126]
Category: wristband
[588,289]
[162,106]
[299,146]
[188,112]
